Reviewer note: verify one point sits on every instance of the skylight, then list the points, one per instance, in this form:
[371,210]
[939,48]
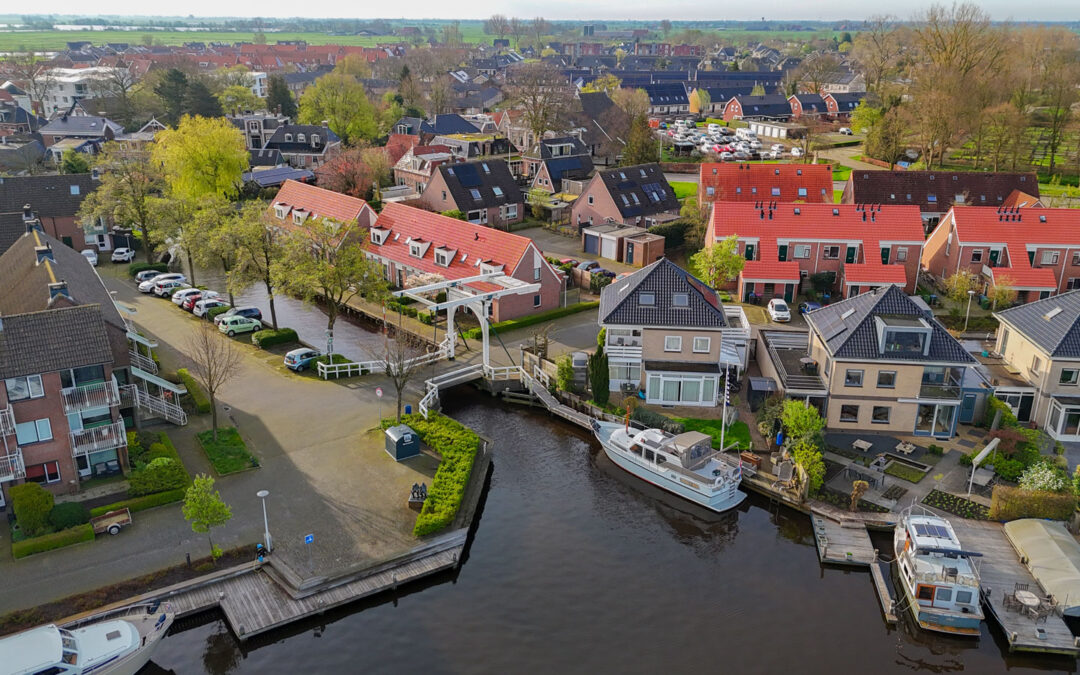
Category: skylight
[847,313]
[1052,313]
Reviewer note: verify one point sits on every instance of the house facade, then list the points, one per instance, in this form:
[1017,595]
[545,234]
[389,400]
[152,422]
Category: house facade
[667,333]
[770,106]
[54,201]
[419,163]
[632,195]
[840,105]
[304,146]
[484,191]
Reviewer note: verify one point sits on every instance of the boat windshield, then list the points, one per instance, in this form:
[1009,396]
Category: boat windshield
[70,647]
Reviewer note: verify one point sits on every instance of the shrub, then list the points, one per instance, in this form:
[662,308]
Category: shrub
[268,338]
[32,505]
[68,514]
[135,268]
[813,463]
[598,282]
[74,535]
[1009,469]
[202,403]
[214,311]
[655,420]
[935,450]
[1011,503]
[531,319]
[228,453]
[564,375]
[140,503]
[673,232]
[1044,477]
[161,474]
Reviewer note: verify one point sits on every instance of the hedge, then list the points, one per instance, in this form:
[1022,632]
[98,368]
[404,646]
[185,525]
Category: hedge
[74,535]
[673,232]
[532,319]
[655,420]
[160,475]
[202,403]
[32,505]
[141,503]
[268,338]
[135,268]
[214,311]
[68,514]
[458,446]
[1010,503]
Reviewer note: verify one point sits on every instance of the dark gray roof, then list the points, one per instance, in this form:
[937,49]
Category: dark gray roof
[542,150]
[465,178]
[278,142]
[640,190]
[51,340]
[80,125]
[850,332]
[277,176]
[48,196]
[271,157]
[770,105]
[1059,335]
[620,300]
[440,124]
[11,228]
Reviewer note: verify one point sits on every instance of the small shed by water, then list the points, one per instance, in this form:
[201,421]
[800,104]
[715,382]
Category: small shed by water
[402,442]
[1053,558]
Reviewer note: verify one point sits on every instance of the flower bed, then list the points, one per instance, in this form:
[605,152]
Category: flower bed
[905,472]
[958,506]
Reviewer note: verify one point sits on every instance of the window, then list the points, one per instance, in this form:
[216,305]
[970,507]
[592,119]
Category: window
[497,190]
[1076,260]
[931,199]
[886,379]
[647,298]
[673,343]
[775,192]
[944,594]
[20,388]
[280,211]
[486,169]
[624,371]
[511,211]
[853,378]
[926,592]
[301,138]
[590,199]
[802,192]
[880,414]
[288,138]
[1036,365]
[849,413]
[35,431]
[1069,376]
[49,472]
[74,189]
[475,194]
[680,300]
[1049,257]
[536,300]
[830,252]
[976,255]
[710,190]
[702,345]
[963,597]
[770,289]
[314,139]
[444,195]
[901,254]
[802,251]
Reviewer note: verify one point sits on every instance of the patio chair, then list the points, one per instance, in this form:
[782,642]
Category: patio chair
[1020,587]
[785,474]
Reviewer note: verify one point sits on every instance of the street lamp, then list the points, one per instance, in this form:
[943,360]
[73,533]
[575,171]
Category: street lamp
[967,314]
[263,494]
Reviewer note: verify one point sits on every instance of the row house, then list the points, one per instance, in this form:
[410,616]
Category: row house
[745,182]
[862,247]
[258,127]
[555,147]
[408,241]
[935,192]
[769,106]
[296,202]
[630,195]
[711,100]
[485,192]
[667,334]
[418,165]
[667,98]
[1034,251]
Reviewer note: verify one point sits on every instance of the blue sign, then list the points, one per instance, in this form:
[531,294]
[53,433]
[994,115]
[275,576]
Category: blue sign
[309,539]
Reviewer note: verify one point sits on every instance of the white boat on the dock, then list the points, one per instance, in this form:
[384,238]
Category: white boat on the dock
[940,580]
[119,642]
[685,464]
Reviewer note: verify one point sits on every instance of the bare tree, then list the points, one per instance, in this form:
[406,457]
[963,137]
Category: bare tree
[539,27]
[115,84]
[634,102]
[402,362]
[440,96]
[497,25]
[877,50]
[518,29]
[543,94]
[216,360]
[32,71]
[816,71]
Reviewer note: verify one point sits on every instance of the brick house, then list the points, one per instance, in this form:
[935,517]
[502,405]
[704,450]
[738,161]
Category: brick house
[1036,251]
[785,244]
[810,105]
[304,145]
[295,202]
[631,195]
[770,106]
[54,200]
[743,182]
[484,191]
[841,105]
[407,241]
[419,163]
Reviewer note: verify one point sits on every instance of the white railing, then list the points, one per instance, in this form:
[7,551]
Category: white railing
[495,373]
[379,365]
[7,421]
[157,405]
[106,437]
[623,351]
[429,402]
[12,467]
[740,326]
[98,395]
[143,362]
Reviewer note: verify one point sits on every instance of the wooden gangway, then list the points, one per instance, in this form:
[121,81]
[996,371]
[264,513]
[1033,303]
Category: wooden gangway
[842,542]
[1000,570]
[879,571]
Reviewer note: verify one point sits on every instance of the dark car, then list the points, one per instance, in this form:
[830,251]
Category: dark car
[602,271]
[808,306]
[587,265]
[249,312]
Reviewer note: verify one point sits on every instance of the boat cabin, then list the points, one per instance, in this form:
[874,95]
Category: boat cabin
[692,448]
[941,574]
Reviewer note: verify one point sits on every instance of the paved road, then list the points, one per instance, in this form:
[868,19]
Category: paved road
[682,177]
[846,156]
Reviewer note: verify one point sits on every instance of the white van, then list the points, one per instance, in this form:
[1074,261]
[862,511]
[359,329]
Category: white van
[744,134]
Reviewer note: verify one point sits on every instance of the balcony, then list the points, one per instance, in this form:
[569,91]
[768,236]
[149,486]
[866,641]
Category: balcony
[97,395]
[948,392]
[7,421]
[106,437]
[12,467]
[623,348]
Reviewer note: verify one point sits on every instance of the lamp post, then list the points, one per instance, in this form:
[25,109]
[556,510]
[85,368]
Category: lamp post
[263,494]
[967,314]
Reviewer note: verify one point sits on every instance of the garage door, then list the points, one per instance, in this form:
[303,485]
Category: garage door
[607,247]
[592,243]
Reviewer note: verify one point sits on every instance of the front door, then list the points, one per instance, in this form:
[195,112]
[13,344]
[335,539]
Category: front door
[885,256]
[967,409]
[851,252]
[629,253]
[994,255]
[781,253]
[789,292]
[749,251]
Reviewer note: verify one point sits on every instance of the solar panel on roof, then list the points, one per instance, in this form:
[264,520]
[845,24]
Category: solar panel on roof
[931,530]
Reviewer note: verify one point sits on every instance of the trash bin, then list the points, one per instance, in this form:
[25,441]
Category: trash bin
[402,442]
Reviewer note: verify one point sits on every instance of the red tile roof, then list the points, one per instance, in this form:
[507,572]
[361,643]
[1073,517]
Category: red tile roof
[1021,198]
[321,203]
[736,182]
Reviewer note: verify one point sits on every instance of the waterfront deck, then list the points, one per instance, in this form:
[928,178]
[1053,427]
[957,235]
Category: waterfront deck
[879,571]
[843,542]
[999,572]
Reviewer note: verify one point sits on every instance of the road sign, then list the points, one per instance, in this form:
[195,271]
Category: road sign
[378,391]
[309,539]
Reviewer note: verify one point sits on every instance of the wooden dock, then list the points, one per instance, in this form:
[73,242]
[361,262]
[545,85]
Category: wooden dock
[879,571]
[842,542]
[999,572]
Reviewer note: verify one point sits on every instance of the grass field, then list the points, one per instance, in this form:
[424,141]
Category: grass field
[684,189]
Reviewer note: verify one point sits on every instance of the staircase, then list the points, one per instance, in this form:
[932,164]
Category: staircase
[143,362]
[157,406]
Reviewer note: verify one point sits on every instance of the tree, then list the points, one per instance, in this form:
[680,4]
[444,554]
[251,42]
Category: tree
[858,489]
[239,97]
[115,85]
[1059,92]
[808,456]
[215,361]
[451,34]
[401,363]
[202,156]
[634,102]
[129,181]
[719,262]
[1005,128]
[354,65]
[665,28]
[537,197]
[210,237]
[886,140]
[74,162]
[259,244]
[801,421]
[440,96]
[865,117]
[641,147]
[259,38]
[171,89]
[599,377]
[205,509]
[564,375]
[28,67]
[279,98]
[200,101]
[958,285]
[543,95]
[1002,293]
[32,505]
[341,101]
[355,172]
[539,28]
[497,25]
[817,70]
[704,100]
[877,49]
[606,83]
[517,29]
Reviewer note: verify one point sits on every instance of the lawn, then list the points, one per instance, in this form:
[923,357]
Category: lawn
[228,454]
[841,172]
[908,473]
[737,432]
[684,189]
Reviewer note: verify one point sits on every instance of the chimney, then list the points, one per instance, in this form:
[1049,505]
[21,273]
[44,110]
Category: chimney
[58,288]
[42,253]
[326,124]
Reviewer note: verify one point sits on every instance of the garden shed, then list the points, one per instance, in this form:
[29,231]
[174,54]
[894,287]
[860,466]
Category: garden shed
[1052,556]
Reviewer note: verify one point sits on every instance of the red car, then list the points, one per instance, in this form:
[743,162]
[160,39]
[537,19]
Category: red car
[189,301]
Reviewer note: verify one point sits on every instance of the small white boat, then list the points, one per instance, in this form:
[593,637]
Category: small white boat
[119,642]
[940,580]
[685,465]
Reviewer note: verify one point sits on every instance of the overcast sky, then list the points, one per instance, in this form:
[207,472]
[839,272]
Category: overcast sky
[772,10]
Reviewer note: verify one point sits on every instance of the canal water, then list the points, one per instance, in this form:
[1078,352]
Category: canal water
[576,567]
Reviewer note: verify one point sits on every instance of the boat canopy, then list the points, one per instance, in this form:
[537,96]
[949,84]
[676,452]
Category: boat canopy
[1053,558]
[693,449]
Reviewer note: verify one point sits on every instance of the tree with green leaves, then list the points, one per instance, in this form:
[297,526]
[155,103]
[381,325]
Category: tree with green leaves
[202,156]
[212,236]
[259,244]
[279,96]
[74,162]
[239,97]
[129,183]
[801,421]
[599,376]
[958,285]
[340,100]
[887,139]
[865,117]
[205,509]
[200,101]
[172,89]
[641,146]
[719,262]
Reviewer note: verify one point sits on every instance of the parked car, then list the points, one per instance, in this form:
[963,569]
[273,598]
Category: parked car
[182,294]
[203,306]
[148,285]
[755,145]
[246,312]
[586,265]
[726,156]
[713,128]
[796,152]
[301,359]
[741,156]
[845,131]
[120,255]
[779,311]
[164,289]
[808,306]
[90,255]
[146,275]
[568,261]
[189,301]
[238,324]
[602,271]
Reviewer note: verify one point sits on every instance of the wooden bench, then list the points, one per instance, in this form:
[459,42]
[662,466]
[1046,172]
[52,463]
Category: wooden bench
[861,445]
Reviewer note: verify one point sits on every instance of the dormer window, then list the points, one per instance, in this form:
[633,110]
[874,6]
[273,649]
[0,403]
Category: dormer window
[315,139]
[443,257]
[298,217]
[281,210]
[903,335]
[416,249]
[301,138]
[378,236]
[288,138]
